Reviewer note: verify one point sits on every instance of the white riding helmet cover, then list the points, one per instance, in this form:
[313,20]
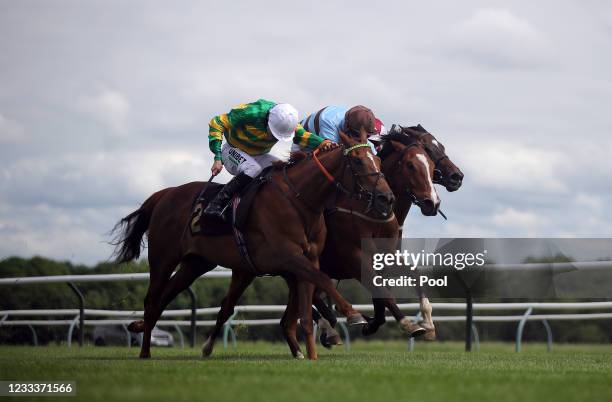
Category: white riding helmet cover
[282,121]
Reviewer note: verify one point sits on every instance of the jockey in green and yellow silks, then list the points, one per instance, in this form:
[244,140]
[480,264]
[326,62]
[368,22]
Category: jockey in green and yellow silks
[251,129]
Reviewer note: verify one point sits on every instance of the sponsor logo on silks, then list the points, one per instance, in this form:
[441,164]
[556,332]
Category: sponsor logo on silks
[235,155]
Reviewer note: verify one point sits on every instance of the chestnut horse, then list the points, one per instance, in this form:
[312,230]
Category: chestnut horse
[409,169]
[285,232]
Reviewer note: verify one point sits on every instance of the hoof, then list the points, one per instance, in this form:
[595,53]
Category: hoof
[136,326]
[299,355]
[207,349]
[145,355]
[330,339]
[413,330]
[355,319]
[369,329]
[430,333]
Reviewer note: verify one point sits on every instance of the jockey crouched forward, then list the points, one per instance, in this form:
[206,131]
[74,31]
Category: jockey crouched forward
[329,121]
[251,129]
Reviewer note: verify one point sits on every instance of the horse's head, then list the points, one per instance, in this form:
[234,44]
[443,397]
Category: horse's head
[367,179]
[446,172]
[411,170]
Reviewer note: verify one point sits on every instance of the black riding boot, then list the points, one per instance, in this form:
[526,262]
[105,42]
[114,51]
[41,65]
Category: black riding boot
[216,207]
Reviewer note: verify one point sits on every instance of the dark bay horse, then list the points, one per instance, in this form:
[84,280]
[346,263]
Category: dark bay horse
[285,232]
[446,173]
[405,183]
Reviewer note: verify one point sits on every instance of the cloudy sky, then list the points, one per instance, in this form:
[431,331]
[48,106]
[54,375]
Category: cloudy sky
[103,103]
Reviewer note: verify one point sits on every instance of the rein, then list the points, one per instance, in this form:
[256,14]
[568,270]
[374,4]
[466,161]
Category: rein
[359,192]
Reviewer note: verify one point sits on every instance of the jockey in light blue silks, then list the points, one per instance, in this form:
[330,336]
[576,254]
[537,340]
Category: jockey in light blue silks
[330,120]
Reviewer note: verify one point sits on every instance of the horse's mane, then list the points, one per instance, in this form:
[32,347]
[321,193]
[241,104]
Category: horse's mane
[401,137]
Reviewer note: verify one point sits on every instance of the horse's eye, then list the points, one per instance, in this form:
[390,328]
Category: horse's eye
[411,166]
[358,161]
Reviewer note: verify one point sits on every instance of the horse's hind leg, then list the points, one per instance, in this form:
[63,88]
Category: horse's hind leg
[326,320]
[191,268]
[159,274]
[240,281]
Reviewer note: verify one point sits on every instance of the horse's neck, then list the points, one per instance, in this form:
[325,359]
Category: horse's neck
[403,201]
[310,182]
[401,208]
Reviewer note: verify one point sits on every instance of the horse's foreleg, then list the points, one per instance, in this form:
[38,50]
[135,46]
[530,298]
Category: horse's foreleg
[379,318]
[428,324]
[240,281]
[305,291]
[303,269]
[290,318]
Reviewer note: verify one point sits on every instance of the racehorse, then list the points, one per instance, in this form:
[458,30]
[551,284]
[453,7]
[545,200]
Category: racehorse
[447,174]
[285,232]
[408,168]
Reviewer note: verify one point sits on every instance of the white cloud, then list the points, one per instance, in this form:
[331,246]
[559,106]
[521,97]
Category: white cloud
[98,179]
[524,220]
[10,131]
[511,166]
[108,107]
[497,38]
[590,201]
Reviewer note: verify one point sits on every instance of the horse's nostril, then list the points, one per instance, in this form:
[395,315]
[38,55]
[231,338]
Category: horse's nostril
[386,198]
[456,177]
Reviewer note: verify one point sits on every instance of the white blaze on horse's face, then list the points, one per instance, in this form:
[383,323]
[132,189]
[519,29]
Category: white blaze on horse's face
[433,193]
[371,156]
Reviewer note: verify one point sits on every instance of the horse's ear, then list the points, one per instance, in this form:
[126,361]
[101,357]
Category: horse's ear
[346,140]
[398,146]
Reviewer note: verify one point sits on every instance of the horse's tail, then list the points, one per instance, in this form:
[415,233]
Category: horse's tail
[130,230]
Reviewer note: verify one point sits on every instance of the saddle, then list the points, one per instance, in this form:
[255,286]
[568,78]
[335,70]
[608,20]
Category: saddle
[240,206]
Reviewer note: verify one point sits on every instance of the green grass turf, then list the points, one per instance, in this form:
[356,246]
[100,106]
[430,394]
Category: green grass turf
[371,371]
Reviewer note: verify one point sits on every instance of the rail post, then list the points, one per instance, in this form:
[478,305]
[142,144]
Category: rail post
[469,320]
[549,339]
[192,336]
[521,327]
[81,312]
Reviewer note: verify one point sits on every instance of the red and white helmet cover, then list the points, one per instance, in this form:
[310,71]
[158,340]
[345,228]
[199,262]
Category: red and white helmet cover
[380,127]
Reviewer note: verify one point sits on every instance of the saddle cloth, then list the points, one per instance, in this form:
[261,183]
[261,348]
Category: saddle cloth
[200,224]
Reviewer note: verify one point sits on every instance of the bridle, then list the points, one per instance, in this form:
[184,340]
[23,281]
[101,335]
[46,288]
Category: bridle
[435,153]
[359,192]
[407,192]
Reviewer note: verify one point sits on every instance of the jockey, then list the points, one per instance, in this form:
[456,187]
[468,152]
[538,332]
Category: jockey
[329,121]
[251,129]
